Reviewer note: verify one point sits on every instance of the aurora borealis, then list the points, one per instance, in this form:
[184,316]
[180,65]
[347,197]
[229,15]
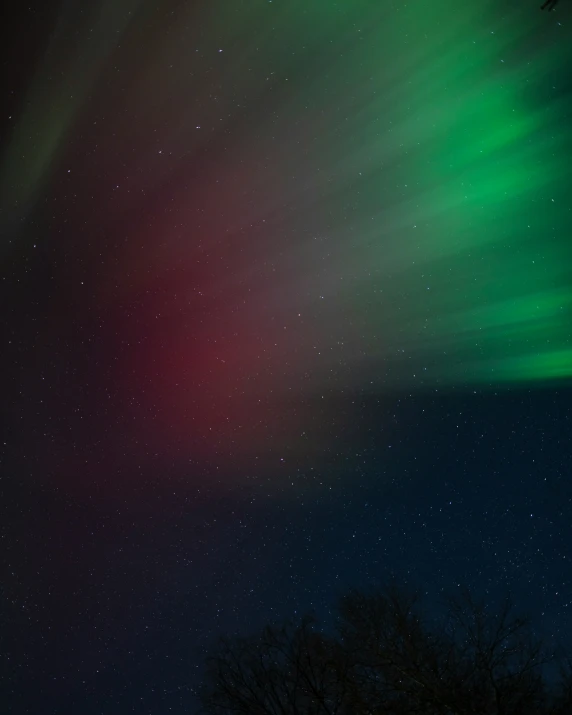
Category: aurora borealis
[278,201]
[230,227]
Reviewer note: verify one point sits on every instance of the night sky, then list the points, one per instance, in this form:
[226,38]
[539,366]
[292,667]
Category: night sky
[287,309]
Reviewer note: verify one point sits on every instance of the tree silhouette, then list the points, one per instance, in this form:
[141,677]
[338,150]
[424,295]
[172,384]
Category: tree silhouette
[287,669]
[389,657]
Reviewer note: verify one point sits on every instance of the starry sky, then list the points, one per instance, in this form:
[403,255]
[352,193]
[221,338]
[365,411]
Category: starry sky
[287,309]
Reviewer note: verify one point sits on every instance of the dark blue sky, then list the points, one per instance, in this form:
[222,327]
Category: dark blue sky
[113,595]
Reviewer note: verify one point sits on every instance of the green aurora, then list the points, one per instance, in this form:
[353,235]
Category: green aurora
[429,150]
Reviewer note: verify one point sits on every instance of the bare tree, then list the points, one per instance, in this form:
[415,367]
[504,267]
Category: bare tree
[562,702]
[286,670]
[389,658]
[475,662]
[502,661]
[392,654]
